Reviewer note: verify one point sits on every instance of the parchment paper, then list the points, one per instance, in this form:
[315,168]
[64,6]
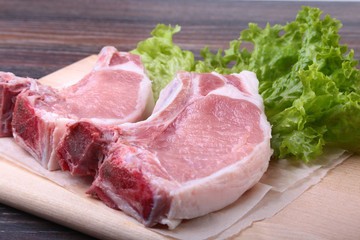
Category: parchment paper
[281,184]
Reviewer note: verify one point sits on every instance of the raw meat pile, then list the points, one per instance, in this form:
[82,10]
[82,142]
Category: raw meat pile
[206,142]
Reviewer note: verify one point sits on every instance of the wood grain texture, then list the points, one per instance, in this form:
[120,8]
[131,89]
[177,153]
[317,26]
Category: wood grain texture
[38,37]
[15,225]
[328,210]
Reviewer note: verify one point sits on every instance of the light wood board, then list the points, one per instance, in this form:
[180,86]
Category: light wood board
[328,210]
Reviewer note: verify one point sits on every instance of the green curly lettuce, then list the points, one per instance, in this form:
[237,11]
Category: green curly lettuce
[309,84]
[161,58]
[308,81]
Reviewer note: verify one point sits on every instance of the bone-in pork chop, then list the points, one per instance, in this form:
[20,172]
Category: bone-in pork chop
[206,143]
[116,91]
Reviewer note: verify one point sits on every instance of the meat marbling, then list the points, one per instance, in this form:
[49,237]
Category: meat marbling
[206,143]
[117,90]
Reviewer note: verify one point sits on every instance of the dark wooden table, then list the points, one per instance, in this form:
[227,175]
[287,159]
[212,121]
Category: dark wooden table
[38,37]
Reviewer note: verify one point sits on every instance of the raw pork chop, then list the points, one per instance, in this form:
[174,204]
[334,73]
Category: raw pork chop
[10,87]
[116,91]
[206,143]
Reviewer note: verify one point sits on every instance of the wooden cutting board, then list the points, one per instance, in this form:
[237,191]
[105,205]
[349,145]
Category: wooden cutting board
[328,210]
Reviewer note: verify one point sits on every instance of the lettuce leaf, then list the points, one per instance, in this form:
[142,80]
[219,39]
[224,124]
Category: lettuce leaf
[161,58]
[309,82]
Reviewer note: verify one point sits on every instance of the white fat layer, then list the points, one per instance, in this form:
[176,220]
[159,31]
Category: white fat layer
[167,95]
[128,66]
[232,92]
[171,223]
[145,101]
[55,137]
[249,80]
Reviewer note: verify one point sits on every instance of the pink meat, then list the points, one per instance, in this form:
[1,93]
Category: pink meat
[206,143]
[10,87]
[116,91]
